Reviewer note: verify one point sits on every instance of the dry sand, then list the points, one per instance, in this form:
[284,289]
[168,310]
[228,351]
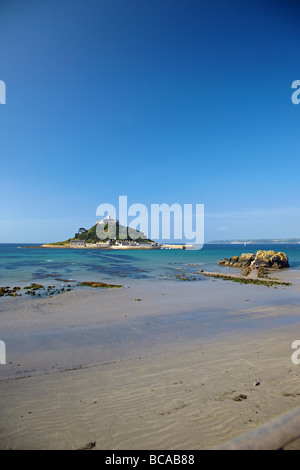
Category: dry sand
[159,373]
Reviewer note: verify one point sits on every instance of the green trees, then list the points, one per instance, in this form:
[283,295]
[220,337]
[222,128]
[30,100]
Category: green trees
[90,235]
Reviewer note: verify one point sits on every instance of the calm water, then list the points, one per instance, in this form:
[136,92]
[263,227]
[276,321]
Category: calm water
[19,264]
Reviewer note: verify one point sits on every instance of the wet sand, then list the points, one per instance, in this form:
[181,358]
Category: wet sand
[149,366]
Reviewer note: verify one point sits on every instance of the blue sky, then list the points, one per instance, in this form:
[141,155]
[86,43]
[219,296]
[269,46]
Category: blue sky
[165,101]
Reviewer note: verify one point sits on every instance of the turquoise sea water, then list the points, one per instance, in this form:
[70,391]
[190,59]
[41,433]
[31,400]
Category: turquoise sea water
[19,264]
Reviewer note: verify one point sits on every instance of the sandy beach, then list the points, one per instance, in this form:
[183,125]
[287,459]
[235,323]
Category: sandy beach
[154,365]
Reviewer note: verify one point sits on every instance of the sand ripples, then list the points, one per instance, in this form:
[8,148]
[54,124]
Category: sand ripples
[192,398]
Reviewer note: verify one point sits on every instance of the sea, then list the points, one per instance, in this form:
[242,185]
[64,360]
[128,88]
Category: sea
[23,263]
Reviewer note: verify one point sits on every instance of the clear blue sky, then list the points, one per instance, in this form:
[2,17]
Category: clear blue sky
[165,101]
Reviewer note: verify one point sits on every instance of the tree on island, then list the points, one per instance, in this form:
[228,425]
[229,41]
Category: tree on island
[80,231]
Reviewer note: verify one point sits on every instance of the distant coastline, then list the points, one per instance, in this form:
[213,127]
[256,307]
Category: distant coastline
[256,241]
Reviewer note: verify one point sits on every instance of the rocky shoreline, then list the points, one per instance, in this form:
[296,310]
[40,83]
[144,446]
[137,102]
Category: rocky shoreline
[266,281]
[38,290]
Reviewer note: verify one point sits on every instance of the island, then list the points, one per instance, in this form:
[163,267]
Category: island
[117,237]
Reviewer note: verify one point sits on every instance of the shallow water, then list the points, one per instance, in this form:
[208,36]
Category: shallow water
[98,326]
[20,264]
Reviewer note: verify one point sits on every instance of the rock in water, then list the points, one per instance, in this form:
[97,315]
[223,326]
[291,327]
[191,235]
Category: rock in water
[271,259]
[242,261]
[265,259]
